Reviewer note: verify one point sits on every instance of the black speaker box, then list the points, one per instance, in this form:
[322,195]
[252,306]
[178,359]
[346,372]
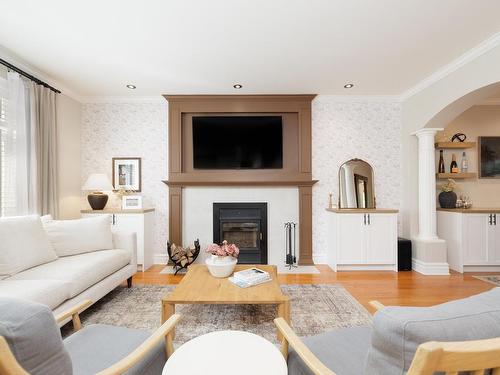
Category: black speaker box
[404,254]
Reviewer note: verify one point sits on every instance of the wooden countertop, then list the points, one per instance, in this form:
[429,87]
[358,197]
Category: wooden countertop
[473,210]
[118,211]
[363,210]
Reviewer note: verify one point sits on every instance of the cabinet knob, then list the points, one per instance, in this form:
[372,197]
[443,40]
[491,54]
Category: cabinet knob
[369,219]
[364,219]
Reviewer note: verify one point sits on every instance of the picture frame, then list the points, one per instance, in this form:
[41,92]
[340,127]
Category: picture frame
[131,202]
[489,157]
[127,173]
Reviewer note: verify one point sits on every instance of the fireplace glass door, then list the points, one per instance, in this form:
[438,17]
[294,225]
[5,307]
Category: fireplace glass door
[245,225]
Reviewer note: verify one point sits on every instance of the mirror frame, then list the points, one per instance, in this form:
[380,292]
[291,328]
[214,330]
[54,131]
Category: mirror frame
[373,187]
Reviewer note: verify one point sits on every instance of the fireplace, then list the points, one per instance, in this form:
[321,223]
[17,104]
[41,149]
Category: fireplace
[244,224]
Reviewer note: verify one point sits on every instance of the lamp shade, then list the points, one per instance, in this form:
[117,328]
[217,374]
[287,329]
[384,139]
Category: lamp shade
[97,182]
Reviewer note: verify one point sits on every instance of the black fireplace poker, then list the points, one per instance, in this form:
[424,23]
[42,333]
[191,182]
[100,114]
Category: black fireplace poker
[290,245]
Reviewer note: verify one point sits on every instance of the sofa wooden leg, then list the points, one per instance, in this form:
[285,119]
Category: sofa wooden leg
[129,282]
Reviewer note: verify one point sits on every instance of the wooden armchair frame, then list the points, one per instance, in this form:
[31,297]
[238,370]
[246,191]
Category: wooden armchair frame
[10,366]
[448,357]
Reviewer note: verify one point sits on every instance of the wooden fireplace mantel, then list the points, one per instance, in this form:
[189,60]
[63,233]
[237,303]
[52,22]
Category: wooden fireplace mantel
[297,166]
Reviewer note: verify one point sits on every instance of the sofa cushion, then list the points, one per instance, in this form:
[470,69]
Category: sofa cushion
[24,244]
[48,292]
[342,350]
[71,237]
[398,331]
[98,346]
[33,337]
[79,271]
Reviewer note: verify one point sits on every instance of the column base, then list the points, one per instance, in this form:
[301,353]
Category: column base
[429,256]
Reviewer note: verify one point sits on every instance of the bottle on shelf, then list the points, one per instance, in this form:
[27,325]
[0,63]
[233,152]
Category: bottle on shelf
[441,162]
[465,163]
[454,165]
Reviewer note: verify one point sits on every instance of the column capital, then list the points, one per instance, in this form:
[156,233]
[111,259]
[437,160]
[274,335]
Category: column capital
[426,132]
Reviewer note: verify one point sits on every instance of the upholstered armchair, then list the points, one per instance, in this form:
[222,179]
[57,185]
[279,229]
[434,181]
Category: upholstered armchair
[31,343]
[462,335]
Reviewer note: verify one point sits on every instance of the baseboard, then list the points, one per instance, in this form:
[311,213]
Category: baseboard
[481,269]
[366,267]
[160,259]
[430,268]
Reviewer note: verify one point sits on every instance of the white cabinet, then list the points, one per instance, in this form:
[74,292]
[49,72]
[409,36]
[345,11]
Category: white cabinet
[137,221]
[363,241]
[472,239]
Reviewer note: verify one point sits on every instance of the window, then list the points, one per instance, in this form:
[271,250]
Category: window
[7,193]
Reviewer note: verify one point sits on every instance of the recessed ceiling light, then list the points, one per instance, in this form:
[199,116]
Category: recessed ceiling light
[238,86]
[131,87]
[349,86]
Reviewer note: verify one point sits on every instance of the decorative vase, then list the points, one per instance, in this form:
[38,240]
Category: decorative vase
[447,199]
[221,266]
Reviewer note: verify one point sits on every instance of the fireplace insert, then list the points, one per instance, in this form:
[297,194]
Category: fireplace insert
[244,224]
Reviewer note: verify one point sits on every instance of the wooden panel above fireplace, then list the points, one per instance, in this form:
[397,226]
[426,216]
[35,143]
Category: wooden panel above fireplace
[296,171]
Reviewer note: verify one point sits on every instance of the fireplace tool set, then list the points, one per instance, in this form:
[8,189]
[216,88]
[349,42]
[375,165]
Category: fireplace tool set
[290,245]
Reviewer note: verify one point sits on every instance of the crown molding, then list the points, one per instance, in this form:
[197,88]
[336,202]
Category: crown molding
[358,98]
[22,64]
[472,54]
[123,99]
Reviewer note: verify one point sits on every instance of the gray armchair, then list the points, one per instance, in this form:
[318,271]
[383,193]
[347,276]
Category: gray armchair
[31,343]
[462,335]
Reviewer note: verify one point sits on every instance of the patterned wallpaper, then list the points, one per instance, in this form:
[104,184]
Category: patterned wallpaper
[343,130]
[136,129]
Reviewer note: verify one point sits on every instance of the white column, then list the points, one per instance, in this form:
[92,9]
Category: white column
[426,184]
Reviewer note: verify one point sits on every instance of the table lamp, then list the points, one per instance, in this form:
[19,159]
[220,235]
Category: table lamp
[97,183]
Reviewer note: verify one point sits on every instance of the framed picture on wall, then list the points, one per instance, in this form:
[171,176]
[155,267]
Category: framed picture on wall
[489,158]
[127,174]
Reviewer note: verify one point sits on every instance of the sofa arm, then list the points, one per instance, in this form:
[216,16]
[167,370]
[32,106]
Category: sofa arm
[126,241]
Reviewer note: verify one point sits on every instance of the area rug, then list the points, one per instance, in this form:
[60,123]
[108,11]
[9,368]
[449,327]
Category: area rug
[314,309]
[492,279]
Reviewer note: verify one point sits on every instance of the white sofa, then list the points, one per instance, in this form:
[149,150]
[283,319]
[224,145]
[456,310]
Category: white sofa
[60,263]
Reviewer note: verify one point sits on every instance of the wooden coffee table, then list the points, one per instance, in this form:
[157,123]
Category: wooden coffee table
[199,287]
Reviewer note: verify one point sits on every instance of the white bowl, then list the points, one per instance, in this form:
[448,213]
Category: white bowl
[221,266]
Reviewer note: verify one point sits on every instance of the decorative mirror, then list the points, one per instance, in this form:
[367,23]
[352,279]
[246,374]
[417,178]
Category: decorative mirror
[356,186]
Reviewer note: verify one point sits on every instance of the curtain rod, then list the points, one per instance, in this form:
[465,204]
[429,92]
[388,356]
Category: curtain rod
[27,75]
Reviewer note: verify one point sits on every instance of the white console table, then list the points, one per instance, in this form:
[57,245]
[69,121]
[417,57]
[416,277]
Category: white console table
[363,239]
[472,238]
[139,221]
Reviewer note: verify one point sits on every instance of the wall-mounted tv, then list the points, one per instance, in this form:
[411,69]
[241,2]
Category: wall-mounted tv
[489,160]
[237,142]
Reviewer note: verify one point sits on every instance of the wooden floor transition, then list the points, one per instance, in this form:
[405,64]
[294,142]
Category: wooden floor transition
[390,288]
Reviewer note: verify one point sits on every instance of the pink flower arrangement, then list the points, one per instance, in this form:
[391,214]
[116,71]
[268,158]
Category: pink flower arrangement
[223,250]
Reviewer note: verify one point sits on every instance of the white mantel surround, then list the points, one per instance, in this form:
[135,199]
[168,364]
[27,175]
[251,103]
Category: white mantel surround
[197,214]
[429,255]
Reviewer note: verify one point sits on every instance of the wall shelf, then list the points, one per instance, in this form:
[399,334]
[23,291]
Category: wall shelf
[456,175]
[454,145]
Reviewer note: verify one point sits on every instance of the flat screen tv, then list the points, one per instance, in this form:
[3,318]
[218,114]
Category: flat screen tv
[237,142]
[489,161]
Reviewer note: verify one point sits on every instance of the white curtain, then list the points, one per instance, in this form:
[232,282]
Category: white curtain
[28,134]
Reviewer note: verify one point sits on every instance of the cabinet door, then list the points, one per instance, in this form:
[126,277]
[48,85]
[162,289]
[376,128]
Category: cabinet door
[350,239]
[475,234]
[132,223]
[382,239]
[494,241]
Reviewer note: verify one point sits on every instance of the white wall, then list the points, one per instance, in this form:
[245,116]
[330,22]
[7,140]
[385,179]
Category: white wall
[343,129]
[130,129]
[197,214]
[69,156]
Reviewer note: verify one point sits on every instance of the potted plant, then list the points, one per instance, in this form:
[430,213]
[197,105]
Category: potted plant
[223,259]
[447,197]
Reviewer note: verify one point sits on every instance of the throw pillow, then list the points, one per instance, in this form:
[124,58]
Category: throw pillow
[72,237]
[23,244]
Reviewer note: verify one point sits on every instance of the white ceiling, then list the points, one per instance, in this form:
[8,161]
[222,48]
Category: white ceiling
[384,47]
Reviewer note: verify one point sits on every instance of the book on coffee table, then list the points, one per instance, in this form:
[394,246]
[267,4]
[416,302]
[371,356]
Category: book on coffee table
[252,275]
[244,284]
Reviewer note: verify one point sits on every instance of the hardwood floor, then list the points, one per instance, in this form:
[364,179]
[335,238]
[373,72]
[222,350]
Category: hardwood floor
[390,288]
